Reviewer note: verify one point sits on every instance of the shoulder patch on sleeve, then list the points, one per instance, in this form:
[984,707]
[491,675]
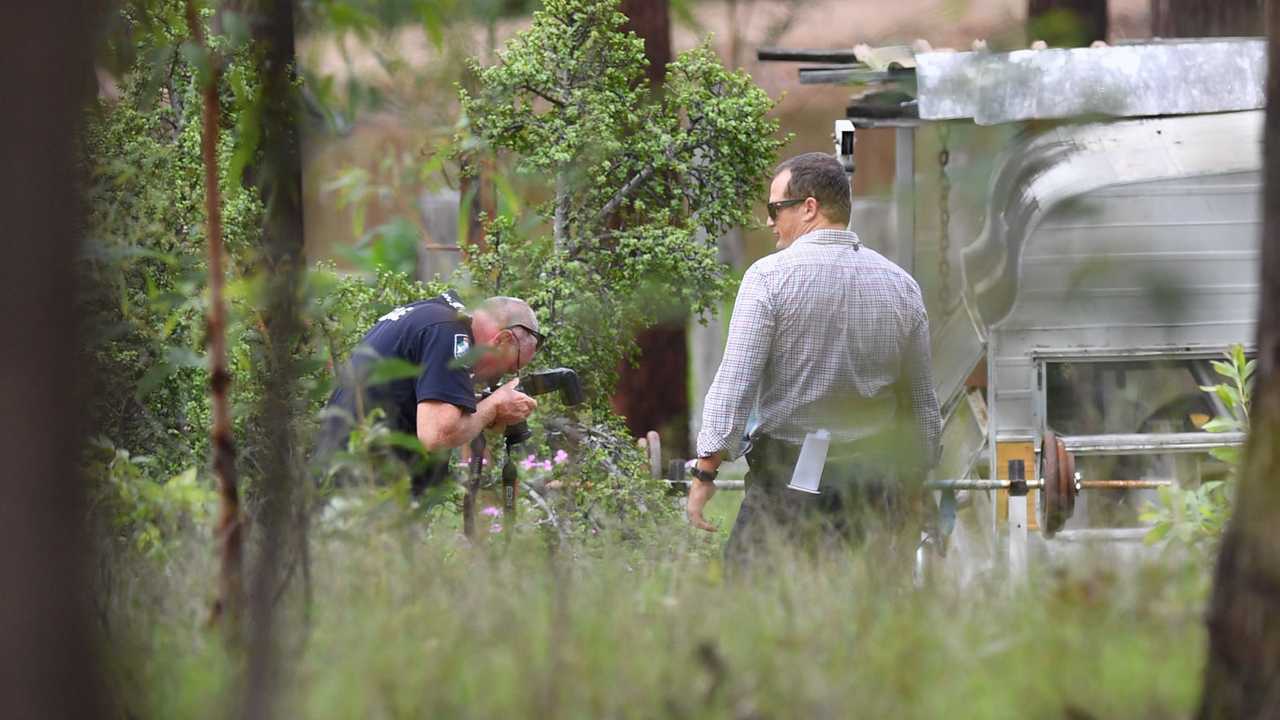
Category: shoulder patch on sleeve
[461,344]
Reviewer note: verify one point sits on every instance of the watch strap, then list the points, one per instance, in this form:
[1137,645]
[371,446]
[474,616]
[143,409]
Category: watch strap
[701,474]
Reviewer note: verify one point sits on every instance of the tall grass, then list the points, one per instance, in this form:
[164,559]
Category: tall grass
[409,621]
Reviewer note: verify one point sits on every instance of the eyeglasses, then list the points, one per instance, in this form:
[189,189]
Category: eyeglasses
[774,207]
[538,338]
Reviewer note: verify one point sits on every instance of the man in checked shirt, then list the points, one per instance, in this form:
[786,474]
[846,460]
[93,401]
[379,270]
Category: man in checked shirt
[825,334]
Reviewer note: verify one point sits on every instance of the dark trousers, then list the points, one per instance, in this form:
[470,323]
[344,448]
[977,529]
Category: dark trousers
[861,495]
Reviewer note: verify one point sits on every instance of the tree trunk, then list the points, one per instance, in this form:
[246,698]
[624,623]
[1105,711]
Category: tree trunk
[651,21]
[1244,614]
[1207,18]
[279,181]
[48,665]
[477,194]
[1067,23]
[653,395]
[735,34]
[229,534]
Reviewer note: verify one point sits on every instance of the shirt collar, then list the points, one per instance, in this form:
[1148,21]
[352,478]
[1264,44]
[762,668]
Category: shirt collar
[830,237]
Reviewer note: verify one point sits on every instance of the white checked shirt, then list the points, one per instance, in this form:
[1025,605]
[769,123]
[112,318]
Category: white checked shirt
[821,334]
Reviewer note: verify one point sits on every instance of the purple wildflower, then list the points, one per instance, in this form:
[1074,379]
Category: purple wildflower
[530,462]
[491,511]
[561,457]
[495,528]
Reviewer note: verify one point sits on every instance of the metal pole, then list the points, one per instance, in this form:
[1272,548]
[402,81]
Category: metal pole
[1150,443]
[975,484]
[1123,484]
[904,198]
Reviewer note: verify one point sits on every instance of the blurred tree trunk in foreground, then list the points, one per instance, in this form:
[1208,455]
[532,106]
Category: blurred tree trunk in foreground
[278,176]
[1067,23]
[229,532]
[1207,18]
[48,666]
[1242,677]
[654,393]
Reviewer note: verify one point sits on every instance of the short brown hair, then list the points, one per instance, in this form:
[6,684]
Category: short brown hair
[821,177]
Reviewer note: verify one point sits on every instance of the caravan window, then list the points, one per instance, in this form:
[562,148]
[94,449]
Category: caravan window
[1151,396]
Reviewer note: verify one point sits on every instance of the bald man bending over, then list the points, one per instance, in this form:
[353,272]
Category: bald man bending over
[455,352]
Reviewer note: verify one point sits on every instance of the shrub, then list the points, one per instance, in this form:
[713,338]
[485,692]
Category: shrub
[1196,517]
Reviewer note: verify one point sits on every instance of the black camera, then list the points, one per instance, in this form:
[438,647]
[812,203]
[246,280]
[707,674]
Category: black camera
[561,380]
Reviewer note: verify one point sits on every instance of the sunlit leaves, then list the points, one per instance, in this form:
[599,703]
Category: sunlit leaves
[644,183]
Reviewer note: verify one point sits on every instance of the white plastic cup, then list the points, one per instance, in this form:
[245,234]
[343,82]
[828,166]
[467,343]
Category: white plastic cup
[813,457]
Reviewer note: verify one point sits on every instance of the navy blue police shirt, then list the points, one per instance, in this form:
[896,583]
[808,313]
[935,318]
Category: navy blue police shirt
[434,334]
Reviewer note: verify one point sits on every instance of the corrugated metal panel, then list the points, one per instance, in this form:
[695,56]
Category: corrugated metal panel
[1159,264]
[1042,179]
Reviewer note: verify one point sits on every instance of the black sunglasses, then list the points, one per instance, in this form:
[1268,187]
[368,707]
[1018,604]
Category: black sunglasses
[774,207]
[538,338]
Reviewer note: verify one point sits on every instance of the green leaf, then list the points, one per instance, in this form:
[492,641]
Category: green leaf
[433,23]
[235,27]
[1227,395]
[1219,425]
[1227,455]
[1226,370]
[186,477]
[682,12]
[1157,533]
[199,58]
[405,441]
[152,378]
[346,16]
[391,369]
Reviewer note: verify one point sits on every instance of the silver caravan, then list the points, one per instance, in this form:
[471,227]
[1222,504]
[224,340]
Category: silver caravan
[1085,225]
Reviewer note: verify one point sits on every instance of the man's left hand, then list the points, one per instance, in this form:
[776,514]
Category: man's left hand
[700,492]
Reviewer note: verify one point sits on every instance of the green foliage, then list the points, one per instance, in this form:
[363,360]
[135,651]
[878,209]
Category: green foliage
[408,622]
[390,246]
[369,17]
[1196,517]
[642,184]
[141,512]
[1235,395]
[377,477]
[145,272]
[144,262]
[1063,27]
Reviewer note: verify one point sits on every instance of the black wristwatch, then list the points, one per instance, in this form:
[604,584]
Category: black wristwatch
[701,474]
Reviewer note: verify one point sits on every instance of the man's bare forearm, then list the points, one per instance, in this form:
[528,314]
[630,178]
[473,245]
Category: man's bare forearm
[471,425]
[458,428]
[711,463]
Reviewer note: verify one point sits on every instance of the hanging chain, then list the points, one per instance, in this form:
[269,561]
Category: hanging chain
[944,218]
